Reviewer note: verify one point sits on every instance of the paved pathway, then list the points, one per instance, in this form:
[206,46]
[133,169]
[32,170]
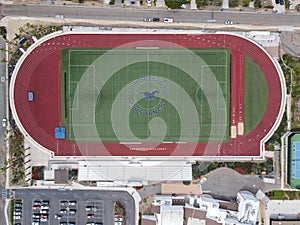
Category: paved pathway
[226,183]
[287,43]
[152,189]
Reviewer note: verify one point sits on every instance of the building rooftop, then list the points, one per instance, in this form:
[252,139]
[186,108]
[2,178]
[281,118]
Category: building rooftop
[285,222]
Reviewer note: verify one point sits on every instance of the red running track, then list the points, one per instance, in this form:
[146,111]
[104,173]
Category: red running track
[40,72]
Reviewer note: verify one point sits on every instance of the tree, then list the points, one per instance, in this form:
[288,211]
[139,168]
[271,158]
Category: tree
[257,4]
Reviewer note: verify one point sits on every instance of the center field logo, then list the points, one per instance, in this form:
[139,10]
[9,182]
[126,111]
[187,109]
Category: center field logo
[147,94]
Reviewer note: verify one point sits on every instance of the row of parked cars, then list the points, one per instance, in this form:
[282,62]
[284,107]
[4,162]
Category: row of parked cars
[17,212]
[90,210]
[156,19]
[40,211]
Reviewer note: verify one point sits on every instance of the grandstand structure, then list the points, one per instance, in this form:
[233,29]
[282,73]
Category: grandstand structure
[41,71]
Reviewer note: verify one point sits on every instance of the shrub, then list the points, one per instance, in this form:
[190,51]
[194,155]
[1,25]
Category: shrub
[233,3]
[201,3]
[175,4]
[246,3]
[257,4]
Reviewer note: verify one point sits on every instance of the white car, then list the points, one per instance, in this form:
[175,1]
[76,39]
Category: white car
[228,22]
[17,217]
[72,202]
[149,3]
[45,207]
[4,122]
[44,219]
[44,211]
[57,216]
[2,79]
[17,213]
[168,20]
[59,16]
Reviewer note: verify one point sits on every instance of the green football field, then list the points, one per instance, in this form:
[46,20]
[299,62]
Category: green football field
[146,95]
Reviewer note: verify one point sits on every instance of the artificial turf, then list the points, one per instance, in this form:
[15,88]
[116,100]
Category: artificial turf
[119,109]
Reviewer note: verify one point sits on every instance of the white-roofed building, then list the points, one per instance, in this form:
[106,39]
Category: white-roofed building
[195,221]
[248,207]
[128,172]
[205,210]
[170,215]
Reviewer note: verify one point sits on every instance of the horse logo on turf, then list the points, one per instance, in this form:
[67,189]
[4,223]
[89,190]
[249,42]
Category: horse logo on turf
[149,95]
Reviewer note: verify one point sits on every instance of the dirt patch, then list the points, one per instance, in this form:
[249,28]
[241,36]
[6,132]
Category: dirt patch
[240,170]
[145,205]
[92,3]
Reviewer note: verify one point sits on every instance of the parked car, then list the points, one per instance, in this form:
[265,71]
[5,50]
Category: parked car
[89,208]
[147,19]
[45,207]
[168,20]
[35,215]
[90,216]
[72,202]
[18,209]
[72,211]
[17,217]
[18,205]
[44,219]
[64,203]
[59,16]
[57,216]
[45,203]
[63,211]
[44,211]
[4,122]
[36,207]
[155,19]
[228,22]
[35,203]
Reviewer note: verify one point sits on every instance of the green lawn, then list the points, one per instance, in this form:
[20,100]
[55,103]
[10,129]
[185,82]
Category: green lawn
[283,195]
[102,96]
[256,95]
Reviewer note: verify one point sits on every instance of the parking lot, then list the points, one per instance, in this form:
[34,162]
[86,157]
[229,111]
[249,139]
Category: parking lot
[53,207]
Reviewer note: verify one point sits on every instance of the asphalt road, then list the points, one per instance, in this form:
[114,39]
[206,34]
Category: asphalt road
[137,14]
[81,196]
[2,92]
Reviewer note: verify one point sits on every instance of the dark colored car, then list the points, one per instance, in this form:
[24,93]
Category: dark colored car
[155,19]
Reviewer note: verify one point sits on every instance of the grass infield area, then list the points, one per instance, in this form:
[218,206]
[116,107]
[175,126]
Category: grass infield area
[146,95]
[256,94]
